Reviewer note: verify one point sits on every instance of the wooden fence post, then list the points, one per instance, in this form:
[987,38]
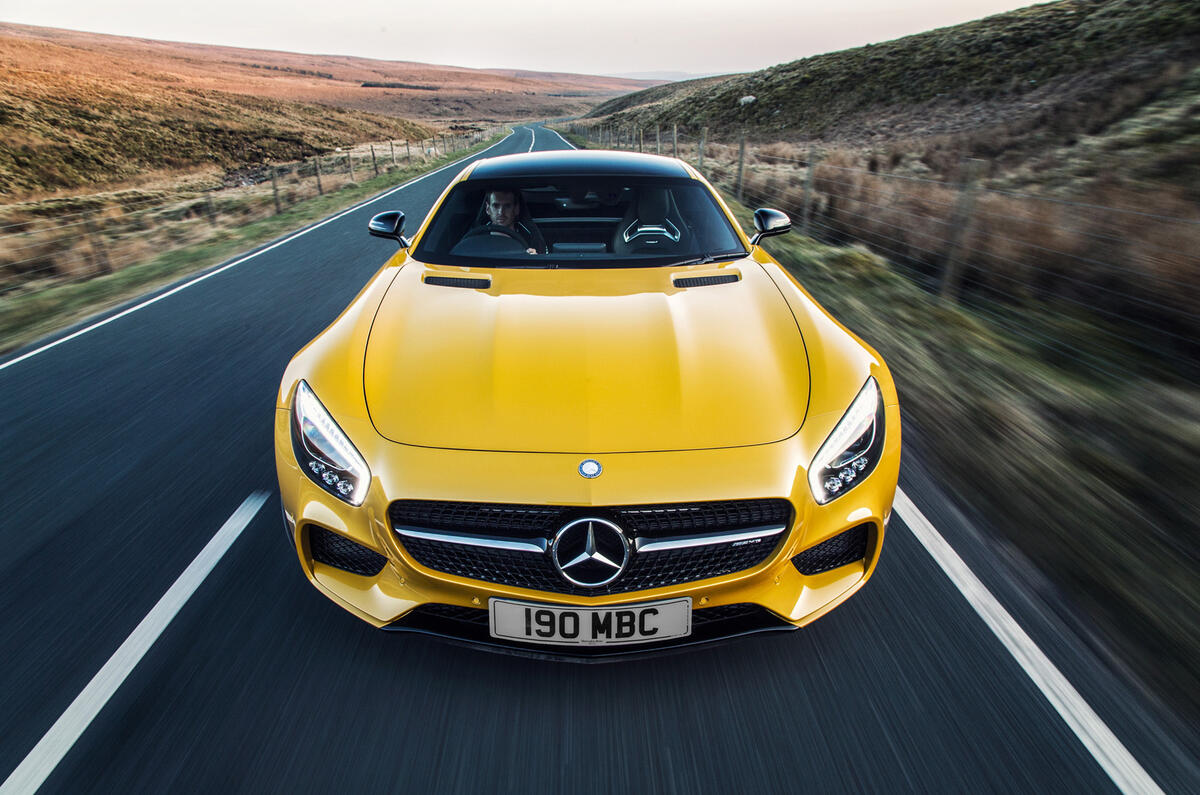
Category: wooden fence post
[211,208]
[407,151]
[658,139]
[741,166]
[703,139]
[675,139]
[641,140]
[350,165]
[320,190]
[275,189]
[806,209]
[99,255]
[959,224]
[374,162]
[392,144]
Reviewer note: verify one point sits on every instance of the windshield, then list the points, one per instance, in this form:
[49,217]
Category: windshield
[578,221]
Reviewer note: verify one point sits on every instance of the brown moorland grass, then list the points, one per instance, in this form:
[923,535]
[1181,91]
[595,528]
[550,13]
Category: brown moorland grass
[140,240]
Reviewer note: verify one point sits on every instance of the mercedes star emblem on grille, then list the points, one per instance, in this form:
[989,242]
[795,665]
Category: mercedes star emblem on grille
[590,552]
[590,468]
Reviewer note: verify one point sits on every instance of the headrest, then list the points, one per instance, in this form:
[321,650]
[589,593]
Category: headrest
[652,205]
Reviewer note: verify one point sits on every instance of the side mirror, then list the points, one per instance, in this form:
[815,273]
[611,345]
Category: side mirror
[388,225]
[768,222]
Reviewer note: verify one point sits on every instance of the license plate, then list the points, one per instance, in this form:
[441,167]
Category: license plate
[591,626]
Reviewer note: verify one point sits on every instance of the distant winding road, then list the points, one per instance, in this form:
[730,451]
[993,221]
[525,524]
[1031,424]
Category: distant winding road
[130,445]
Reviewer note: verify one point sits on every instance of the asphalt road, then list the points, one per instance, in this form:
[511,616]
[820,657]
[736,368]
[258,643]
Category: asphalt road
[127,447]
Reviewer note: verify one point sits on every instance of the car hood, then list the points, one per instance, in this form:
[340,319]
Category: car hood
[585,361]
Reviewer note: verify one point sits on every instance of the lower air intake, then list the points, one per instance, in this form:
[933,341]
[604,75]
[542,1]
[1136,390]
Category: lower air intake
[340,552]
[843,548]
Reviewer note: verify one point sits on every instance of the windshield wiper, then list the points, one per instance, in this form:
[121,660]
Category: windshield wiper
[707,258]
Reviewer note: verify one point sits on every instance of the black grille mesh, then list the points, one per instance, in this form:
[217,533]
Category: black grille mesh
[479,518]
[705,281]
[687,518]
[536,571]
[459,281]
[340,552]
[843,548]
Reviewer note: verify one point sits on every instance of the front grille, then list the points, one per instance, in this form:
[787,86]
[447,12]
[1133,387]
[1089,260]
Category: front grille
[529,521]
[843,548]
[537,572]
[340,552]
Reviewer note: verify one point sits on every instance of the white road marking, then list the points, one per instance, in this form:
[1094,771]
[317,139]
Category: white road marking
[1118,763]
[532,139]
[564,140]
[202,277]
[46,755]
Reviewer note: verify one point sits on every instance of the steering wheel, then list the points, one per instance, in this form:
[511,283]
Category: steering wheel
[489,229]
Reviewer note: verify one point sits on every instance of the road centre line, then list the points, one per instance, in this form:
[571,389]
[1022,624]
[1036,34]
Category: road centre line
[50,750]
[222,269]
[1105,748]
[532,139]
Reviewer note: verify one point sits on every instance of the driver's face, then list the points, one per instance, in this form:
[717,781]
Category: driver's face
[502,208]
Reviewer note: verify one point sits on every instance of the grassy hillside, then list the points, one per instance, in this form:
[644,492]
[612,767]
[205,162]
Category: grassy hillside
[59,131]
[1003,88]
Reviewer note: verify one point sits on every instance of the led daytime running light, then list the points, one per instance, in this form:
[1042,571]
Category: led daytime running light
[336,464]
[833,472]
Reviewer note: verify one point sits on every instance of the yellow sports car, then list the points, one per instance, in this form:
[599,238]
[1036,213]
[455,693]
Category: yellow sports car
[581,414]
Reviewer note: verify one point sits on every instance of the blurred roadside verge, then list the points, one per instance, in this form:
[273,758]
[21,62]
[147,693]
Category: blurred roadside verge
[65,259]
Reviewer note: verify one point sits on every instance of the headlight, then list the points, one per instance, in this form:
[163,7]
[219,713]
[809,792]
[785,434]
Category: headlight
[852,449]
[325,453]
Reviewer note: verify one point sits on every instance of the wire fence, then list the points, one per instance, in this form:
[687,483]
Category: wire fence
[1039,267]
[59,241]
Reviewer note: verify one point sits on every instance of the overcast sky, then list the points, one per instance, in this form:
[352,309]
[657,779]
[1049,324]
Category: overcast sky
[619,36]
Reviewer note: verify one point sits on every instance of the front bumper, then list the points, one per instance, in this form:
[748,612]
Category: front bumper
[398,597]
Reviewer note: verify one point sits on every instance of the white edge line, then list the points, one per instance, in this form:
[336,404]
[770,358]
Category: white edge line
[564,140]
[222,269]
[1108,751]
[45,756]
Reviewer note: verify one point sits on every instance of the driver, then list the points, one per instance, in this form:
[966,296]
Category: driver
[503,208]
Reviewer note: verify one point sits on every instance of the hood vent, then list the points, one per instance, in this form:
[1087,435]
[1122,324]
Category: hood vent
[705,281]
[459,281]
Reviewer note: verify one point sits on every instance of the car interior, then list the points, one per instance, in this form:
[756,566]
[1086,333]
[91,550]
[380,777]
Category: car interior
[581,220]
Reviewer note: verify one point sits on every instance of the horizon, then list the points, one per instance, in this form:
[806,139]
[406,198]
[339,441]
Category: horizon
[486,46]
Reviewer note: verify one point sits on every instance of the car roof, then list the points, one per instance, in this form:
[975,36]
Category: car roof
[575,162]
